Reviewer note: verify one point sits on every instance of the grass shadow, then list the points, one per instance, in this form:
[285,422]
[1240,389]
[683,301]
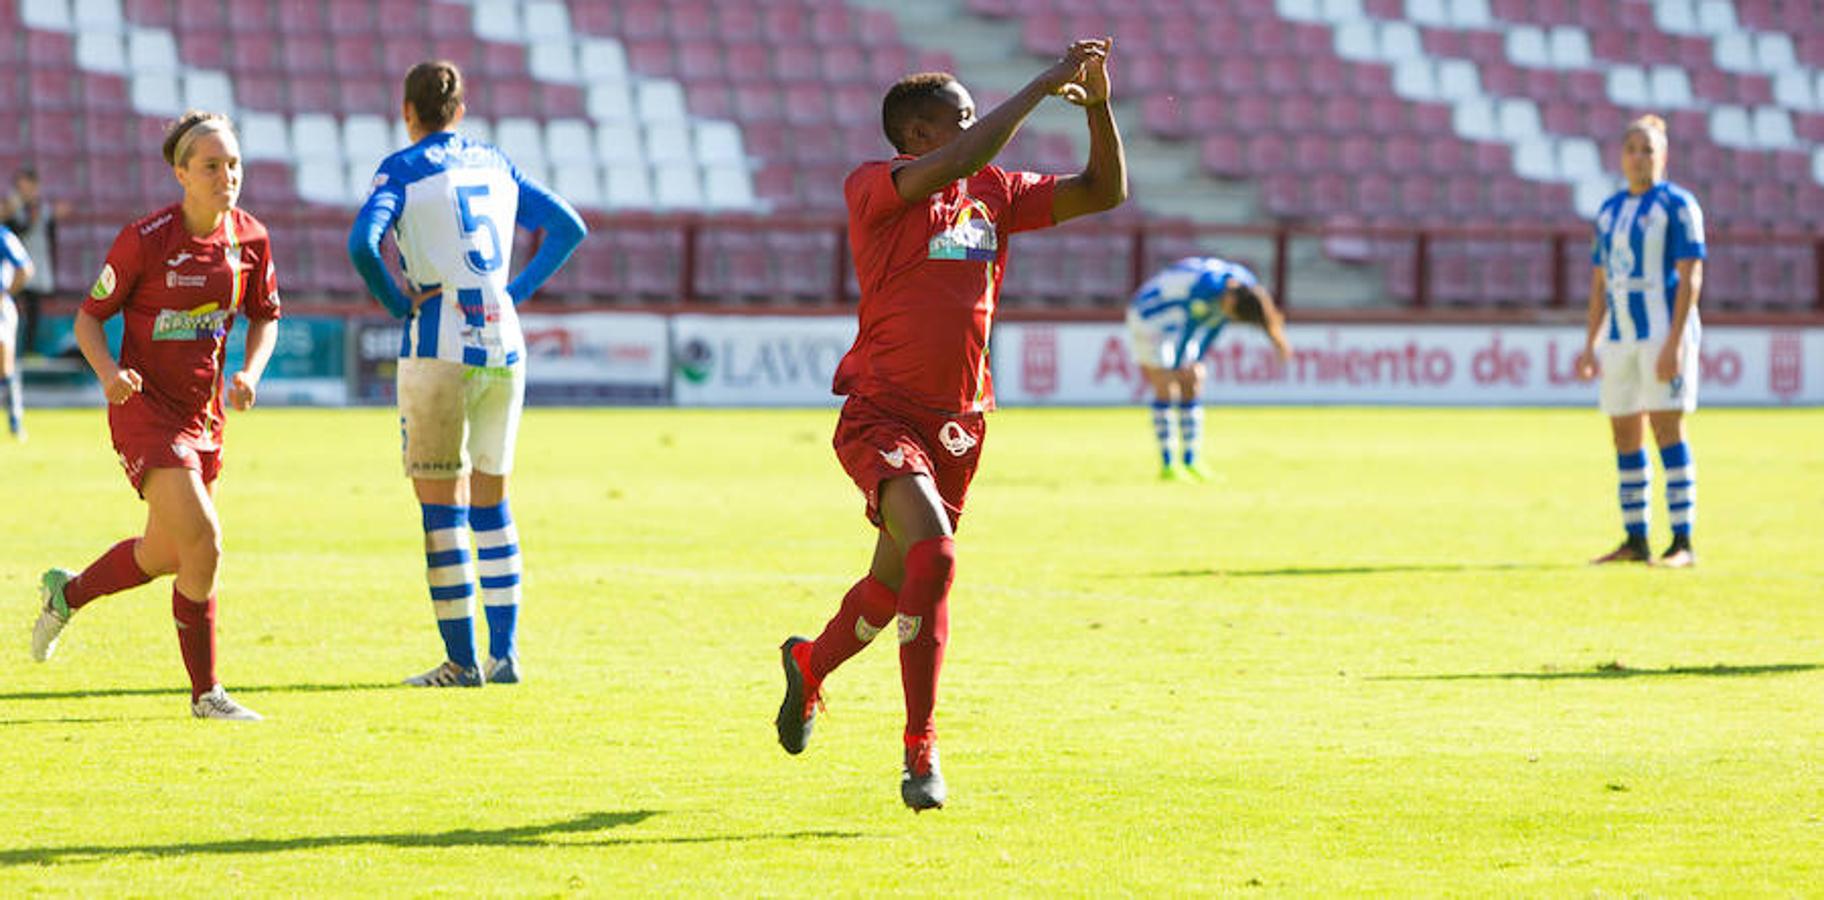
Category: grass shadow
[1616,670]
[86,693]
[1391,568]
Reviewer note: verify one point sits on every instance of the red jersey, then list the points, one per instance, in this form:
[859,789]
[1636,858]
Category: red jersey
[930,274]
[179,294]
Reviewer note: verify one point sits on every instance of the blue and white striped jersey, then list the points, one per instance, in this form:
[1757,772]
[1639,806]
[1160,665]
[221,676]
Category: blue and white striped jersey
[1639,241]
[12,258]
[1186,297]
[452,203]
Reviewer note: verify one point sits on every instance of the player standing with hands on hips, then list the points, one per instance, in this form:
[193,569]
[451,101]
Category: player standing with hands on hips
[928,230]
[178,277]
[1643,331]
[452,203]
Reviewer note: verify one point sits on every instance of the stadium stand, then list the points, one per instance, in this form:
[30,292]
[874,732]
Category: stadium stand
[1362,119]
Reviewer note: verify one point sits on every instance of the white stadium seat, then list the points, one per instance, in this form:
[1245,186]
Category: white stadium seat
[48,15]
[1458,79]
[1431,13]
[1298,10]
[1734,52]
[323,181]
[265,136]
[156,94]
[1519,118]
[659,101]
[1341,10]
[1399,40]
[97,15]
[151,51]
[523,140]
[553,60]
[1471,14]
[366,141]
[1356,42]
[204,89]
[719,143]
[1774,52]
[627,187]
[1414,79]
[677,187]
[1716,17]
[570,141]
[728,188]
[1628,86]
[1528,46]
[1474,120]
[1579,160]
[610,101]
[1570,47]
[498,20]
[1773,127]
[579,184]
[316,136]
[620,145]
[101,51]
[1589,195]
[1793,89]
[1731,126]
[1671,86]
[602,59]
[667,143]
[1675,16]
[547,21]
[1817,165]
[1536,159]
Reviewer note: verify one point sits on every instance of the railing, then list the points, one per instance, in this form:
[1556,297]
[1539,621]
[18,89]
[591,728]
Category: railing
[684,260]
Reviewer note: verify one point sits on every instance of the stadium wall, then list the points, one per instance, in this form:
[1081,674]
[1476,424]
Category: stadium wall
[708,359]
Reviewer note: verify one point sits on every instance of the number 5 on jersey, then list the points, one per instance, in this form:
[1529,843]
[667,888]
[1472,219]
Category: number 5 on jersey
[472,222]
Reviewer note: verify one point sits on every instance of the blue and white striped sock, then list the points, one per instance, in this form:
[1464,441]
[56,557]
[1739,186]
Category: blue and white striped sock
[1190,429]
[15,402]
[452,579]
[1162,427]
[497,560]
[1636,491]
[1681,487]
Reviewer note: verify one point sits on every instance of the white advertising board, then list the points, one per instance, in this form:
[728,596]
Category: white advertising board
[597,357]
[757,360]
[1443,365]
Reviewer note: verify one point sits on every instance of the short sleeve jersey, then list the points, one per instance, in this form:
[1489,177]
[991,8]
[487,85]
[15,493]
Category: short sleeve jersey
[453,203]
[178,295]
[12,258]
[1186,297]
[1638,243]
[930,275]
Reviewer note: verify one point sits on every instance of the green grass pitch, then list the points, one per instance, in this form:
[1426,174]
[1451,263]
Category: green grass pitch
[1369,660]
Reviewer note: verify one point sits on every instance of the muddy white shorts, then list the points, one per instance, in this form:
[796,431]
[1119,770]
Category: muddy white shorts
[454,417]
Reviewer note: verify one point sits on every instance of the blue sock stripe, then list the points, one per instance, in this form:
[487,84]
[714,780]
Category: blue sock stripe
[490,518]
[1672,507]
[1682,529]
[459,640]
[453,592]
[442,558]
[1636,485]
[1678,454]
[503,551]
[1635,460]
[438,517]
[496,582]
[1640,505]
[1637,529]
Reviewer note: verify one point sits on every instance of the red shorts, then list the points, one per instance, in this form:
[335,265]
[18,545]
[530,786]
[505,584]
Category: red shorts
[877,440]
[144,444]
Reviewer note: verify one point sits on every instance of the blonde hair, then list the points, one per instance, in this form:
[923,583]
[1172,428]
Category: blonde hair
[182,135]
[1650,125]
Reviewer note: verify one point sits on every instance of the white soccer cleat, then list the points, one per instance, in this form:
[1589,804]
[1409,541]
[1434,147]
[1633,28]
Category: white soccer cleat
[218,705]
[447,674]
[53,615]
[502,671]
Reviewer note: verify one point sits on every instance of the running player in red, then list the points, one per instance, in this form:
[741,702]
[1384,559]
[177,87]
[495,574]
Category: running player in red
[178,276]
[928,230]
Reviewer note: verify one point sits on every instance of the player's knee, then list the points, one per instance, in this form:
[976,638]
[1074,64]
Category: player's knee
[933,561]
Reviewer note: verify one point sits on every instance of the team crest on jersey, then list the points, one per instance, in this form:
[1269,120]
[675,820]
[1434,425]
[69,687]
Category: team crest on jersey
[104,285]
[206,321]
[970,235]
[908,628]
[956,438]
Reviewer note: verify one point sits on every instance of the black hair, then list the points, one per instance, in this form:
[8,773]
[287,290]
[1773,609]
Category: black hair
[909,99]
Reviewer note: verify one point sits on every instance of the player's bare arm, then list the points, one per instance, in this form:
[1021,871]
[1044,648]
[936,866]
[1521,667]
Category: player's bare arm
[1690,283]
[1102,185]
[262,337]
[1274,323]
[956,149]
[117,384]
[1586,358]
[21,275]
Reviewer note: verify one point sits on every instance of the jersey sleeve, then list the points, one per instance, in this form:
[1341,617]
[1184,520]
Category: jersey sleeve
[1596,242]
[1029,201]
[13,251]
[119,276]
[376,216]
[871,193]
[539,209]
[263,293]
[1686,232]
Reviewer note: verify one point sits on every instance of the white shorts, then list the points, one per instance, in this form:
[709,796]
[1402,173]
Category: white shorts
[1630,378]
[453,417]
[1161,344]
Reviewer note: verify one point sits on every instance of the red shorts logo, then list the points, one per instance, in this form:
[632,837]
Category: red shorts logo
[956,438]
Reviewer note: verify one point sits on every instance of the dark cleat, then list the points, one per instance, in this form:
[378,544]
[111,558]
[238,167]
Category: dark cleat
[921,785]
[1679,555]
[798,712]
[1634,549]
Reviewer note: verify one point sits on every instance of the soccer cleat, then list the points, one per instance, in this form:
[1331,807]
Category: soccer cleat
[447,674]
[798,711]
[1169,472]
[502,671]
[1196,472]
[53,615]
[1634,549]
[218,705]
[1679,555]
[921,785]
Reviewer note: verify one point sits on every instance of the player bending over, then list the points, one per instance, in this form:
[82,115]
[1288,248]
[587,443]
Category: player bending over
[929,231]
[1173,320]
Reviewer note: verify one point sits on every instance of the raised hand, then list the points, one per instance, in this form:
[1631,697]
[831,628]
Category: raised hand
[1091,85]
[1069,68]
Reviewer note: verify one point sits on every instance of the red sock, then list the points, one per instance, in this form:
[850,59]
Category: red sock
[114,572]
[196,638]
[924,625]
[866,609]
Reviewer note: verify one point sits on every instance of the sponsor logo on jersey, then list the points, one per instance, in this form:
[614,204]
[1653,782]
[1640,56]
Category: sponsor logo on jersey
[175,281]
[155,224]
[970,235]
[104,285]
[956,438]
[178,260]
[206,321]
[895,457]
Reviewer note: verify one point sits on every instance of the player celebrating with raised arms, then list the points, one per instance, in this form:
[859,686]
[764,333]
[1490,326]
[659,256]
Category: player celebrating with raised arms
[1643,332]
[1173,320]
[928,230]
[178,277]
[452,203]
